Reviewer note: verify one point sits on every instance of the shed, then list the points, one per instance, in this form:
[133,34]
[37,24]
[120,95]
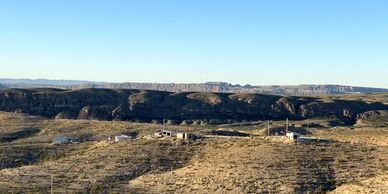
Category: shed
[61,140]
[293,135]
[168,133]
[182,135]
[122,137]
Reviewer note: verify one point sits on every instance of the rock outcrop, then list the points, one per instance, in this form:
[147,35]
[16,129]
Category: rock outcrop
[372,114]
[190,107]
[374,118]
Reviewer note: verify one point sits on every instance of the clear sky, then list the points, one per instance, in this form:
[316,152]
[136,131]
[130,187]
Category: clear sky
[255,42]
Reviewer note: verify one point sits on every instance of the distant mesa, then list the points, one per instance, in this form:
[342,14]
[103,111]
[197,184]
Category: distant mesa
[219,87]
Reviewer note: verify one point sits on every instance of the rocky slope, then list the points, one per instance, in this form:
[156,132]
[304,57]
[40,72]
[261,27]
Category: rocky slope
[143,105]
[375,118]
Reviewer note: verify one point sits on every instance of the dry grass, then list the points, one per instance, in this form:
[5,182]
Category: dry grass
[255,165]
[370,98]
[362,135]
[378,184]
[147,165]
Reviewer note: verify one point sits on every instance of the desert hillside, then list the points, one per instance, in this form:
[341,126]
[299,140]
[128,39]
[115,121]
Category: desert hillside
[184,107]
[211,164]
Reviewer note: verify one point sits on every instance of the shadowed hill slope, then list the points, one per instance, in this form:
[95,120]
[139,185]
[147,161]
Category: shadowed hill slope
[144,105]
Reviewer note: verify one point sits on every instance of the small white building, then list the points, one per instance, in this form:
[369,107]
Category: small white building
[165,133]
[61,140]
[168,133]
[293,135]
[122,137]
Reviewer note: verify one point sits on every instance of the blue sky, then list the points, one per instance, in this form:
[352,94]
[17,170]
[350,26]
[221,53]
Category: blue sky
[259,42]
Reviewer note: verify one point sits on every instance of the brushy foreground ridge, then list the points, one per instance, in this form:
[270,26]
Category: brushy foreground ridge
[216,164]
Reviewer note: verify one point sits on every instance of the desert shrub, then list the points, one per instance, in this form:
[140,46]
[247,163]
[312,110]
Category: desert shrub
[321,190]
[384,168]
[18,135]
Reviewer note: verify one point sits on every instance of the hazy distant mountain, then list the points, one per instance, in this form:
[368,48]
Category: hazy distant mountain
[221,87]
[6,81]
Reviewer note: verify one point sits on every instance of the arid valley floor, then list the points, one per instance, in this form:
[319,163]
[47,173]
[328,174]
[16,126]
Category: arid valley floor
[193,97]
[356,163]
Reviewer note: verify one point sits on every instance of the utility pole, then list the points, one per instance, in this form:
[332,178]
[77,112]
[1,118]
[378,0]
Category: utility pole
[307,127]
[52,184]
[287,126]
[269,134]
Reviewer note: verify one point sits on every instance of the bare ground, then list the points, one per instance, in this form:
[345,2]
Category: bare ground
[209,165]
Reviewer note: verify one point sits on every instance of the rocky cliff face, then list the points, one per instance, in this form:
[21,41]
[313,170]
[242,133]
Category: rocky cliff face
[188,107]
[222,87]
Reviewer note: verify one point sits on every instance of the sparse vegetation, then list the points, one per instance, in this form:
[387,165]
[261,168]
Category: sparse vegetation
[241,164]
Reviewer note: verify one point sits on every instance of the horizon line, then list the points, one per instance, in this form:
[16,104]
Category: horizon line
[122,82]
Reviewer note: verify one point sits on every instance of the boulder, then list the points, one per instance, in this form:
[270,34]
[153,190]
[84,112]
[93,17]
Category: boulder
[66,115]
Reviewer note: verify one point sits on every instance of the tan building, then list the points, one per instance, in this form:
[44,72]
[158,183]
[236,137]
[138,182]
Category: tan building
[182,135]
